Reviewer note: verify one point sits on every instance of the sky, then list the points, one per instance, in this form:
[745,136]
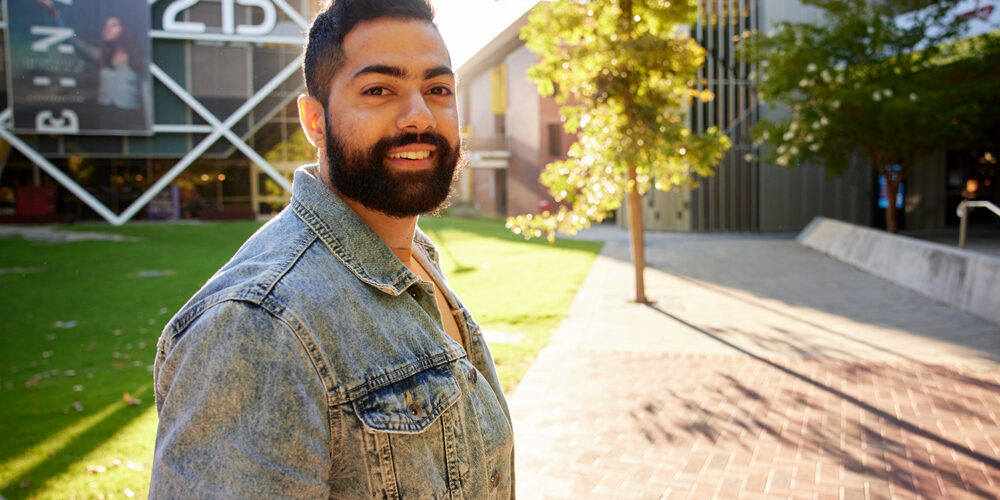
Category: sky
[468,25]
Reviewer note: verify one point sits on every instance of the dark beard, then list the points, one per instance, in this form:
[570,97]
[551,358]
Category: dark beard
[365,176]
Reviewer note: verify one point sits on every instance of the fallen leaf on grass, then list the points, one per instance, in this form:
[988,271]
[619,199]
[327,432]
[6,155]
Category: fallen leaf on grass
[151,273]
[129,493]
[116,462]
[78,406]
[129,400]
[96,469]
[134,465]
[26,483]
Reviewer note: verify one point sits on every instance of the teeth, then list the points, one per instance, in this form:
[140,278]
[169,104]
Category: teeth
[411,155]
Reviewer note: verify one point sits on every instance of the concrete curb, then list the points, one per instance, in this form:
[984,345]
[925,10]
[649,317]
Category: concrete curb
[963,279]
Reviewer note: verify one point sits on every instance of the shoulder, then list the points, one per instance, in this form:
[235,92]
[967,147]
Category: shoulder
[252,273]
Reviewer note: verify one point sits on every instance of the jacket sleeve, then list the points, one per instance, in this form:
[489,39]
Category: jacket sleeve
[242,411]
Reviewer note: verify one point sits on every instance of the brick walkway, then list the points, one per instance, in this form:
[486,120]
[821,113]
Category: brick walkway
[764,370]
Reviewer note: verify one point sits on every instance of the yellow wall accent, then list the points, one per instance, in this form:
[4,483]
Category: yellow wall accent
[498,90]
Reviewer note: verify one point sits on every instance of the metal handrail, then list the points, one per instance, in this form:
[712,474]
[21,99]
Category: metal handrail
[963,215]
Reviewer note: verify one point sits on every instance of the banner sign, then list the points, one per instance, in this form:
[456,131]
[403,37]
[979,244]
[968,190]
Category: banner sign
[79,66]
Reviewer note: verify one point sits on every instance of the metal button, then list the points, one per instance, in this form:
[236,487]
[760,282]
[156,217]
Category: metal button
[415,411]
[495,479]
[473,375]
[414,293]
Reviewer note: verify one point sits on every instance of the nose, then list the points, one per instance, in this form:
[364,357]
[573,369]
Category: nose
[416,117]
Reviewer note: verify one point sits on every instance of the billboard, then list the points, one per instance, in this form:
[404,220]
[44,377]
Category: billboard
[79,66]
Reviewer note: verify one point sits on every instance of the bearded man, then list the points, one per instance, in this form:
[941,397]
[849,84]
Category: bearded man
[329,358]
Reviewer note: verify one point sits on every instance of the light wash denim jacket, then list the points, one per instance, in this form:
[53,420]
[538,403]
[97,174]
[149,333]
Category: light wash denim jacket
[312,366]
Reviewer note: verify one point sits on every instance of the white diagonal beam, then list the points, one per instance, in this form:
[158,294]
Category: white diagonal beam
[226,127]
[220,129]
[292,13]
[54,171]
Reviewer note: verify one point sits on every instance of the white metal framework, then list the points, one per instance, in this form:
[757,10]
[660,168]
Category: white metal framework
[216,127]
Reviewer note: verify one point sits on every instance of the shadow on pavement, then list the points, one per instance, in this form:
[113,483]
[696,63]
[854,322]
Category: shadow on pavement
[760,269]
[818,418]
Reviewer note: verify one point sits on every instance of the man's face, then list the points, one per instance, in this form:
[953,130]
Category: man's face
[392,140]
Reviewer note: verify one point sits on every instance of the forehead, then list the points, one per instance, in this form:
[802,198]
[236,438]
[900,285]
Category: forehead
[413,45]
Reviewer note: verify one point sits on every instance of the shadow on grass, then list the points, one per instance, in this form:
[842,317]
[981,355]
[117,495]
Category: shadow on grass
[59,461]
[442,244]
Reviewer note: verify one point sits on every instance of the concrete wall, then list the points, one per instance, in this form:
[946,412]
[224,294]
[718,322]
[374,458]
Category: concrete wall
[523,126]
[790,198]
[478,114]
[963,279]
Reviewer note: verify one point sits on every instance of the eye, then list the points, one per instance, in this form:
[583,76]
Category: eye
[376,91]
[441,91]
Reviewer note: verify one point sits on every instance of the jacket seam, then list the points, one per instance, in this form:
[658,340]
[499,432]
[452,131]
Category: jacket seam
[403,372]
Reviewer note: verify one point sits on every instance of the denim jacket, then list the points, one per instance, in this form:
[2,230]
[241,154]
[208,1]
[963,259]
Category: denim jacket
[313,365]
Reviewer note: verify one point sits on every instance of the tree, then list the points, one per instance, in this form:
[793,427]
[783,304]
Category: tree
[879,78]
[623,71]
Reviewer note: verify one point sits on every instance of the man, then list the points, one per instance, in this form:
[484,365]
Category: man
[329,358]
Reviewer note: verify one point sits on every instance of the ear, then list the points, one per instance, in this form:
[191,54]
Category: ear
[313,120]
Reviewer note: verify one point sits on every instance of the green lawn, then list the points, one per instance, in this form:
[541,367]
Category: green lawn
[81,320]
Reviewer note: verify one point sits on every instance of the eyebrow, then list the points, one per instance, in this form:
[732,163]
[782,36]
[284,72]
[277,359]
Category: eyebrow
[398,72]
[438,71]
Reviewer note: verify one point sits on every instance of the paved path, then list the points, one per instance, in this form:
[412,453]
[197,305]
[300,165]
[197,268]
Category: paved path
[763,370]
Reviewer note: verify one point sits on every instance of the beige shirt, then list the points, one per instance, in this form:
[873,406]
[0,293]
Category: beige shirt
[447,320]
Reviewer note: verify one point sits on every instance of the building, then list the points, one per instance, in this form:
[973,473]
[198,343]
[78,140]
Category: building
[221,87]
[224,135]
[510,131]
[754,196]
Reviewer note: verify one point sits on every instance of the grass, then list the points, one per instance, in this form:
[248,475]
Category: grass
[81,320]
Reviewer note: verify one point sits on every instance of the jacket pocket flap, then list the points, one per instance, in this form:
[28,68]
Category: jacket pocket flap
[410,405]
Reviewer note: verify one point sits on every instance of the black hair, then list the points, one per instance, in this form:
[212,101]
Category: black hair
[325,46]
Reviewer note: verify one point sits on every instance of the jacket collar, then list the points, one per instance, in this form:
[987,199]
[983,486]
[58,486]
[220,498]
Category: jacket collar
[350,240]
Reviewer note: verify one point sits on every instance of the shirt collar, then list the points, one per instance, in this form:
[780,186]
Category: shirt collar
[350,240]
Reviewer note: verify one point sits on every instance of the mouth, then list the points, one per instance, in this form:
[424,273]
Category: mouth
[412,156]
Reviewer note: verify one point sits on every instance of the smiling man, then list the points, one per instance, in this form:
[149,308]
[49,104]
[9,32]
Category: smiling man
[329,358]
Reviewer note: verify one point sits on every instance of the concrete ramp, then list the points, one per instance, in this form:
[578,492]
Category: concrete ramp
[963,279]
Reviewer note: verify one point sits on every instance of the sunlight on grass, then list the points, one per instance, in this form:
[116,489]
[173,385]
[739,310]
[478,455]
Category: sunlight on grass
[511,285]
[123,464]
[18,466]
[81,322]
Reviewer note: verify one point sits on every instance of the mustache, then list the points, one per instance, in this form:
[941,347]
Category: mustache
[432,138]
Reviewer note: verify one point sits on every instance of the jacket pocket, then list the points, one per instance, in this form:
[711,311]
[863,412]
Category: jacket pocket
[411,405]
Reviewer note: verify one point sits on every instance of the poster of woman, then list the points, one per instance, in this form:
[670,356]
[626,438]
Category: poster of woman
[79,67]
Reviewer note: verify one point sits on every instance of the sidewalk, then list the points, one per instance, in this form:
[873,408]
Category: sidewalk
[762,370]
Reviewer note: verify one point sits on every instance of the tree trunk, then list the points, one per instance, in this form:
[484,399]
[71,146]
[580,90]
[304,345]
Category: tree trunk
[892,179]
[635,230]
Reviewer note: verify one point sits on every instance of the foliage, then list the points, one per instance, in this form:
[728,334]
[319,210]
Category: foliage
[81,320]
[624,72]
[875,78]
